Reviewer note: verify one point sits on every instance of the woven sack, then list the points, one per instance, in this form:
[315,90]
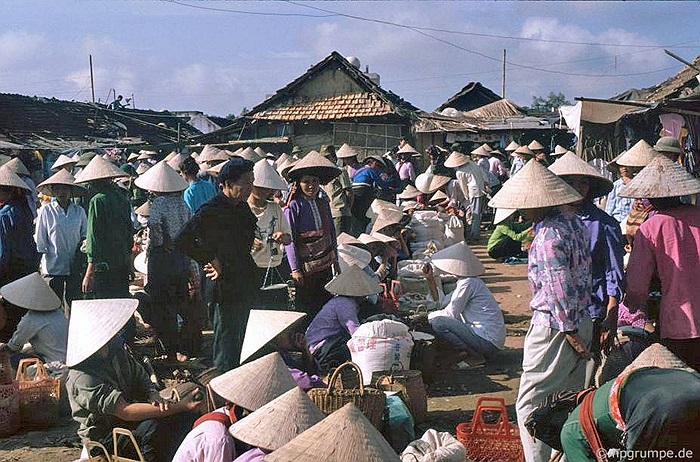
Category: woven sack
[40,397]
[9,409]
[410,384]
[369,400]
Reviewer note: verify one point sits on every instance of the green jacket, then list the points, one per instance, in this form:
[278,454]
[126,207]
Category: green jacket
[109,230]
[516,231]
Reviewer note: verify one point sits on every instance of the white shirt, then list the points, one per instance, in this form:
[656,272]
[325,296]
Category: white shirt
[47,331]
[471,179]
[58,234]
[270,221]
[472,303]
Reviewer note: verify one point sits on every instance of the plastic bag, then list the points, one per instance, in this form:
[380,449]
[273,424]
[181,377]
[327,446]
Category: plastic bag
[435,446]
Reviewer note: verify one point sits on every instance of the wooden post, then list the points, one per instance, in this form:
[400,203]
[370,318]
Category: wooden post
[92,80]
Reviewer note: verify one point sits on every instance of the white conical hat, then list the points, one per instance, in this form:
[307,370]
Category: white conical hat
[407,149]
[144,209]
[383,222]
[267,177]
[17,166]
[93,323]
[535,146]
[238,151]
[278,422]
[353,282]
[482,151]
[284,156]
[253,385]
[345,238]
[141,263]
[512,146]
[249,154]
[409,205]
[454,160]
[284,167]
[638,155]
[265,325]
[10,178]
[345,152]
[260,151]
[438,197]
[427,183]
[215,169]
[459,260]
[132,156]
[100,169]
[524,150]
[344,436]
[314,164]
[409,192]
[177,160]
[145,154]
[559,150]
[142,168]
[170,156]
[385,209]
[383,238]
[31,292]
[62,177]
[501,214]
[657,355]
[367,239]
[570,164]
[349,255]
[534,187]
[661,178]
[62,161]
[209,153]
[161,178]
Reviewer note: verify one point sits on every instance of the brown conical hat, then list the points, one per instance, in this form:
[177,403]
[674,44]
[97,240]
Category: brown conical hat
[344,436]
[10,178]
[144,209]
[454,160]
[285,166]
[314,164]
[345,152]
[512,146]
[265,325]
[409,192]
[62,161]
[100,169]
[570,164]
[177,160]
[535,146]
[484,150]
[267,177]
[161,178]
[278,422]
[534,187]
[459,260]
[345,238]
[384,222]
[559,150]
[438,197]
[638,155]
[209,153]
[17,166]
[253,385]
[407,149]
[62,177]
[249,154]
[657,355]
[349,255]
[353,282]
[524,150]
[661,178]
[284,156]
[31,292]
[93,323]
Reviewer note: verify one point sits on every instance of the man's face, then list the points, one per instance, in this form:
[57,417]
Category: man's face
[239,189]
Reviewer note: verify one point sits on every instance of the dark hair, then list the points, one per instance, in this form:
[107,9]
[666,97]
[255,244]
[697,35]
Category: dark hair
[189,166]
[233,169]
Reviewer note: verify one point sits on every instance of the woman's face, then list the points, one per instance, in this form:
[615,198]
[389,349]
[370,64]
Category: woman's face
[534,215]
[263,193]
[239,189]
[624,171]
[62,192]
[309,185]
[580,183]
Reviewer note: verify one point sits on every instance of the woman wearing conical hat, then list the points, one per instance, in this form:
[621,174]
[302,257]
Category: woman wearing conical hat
[407,172]
[199,191]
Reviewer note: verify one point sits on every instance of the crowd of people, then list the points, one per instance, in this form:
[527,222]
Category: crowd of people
[285,256]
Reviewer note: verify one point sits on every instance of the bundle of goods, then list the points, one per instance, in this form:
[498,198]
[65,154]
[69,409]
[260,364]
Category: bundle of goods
[39,396]
[9,398]
[376,346]
[429,230]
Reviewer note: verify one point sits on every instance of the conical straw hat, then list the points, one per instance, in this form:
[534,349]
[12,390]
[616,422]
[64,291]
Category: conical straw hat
[384,209]
[407,149]
[345,152]
[512,146]
[253,385]
[535,146]
[409,192]
[438,197]
[260,151]
[559,150]
[144,209]
[345,238]
[62,177]
[427,183]
[132,156]
[4,159]
[532,188]
[314,164]
[281,159]
[238,151]
[100,169]
[161,178]
[366,239]
[285,166]
[93,323]
[266,176]
[344,436]
[215,169]
[384,222]
[570,164]
[638,155]
[459,260]
[250,154]
[10,178]
[209,153]
[62,161]
[661,178]
[409,205]
[17,166]
[482,151]
[383,238]
[170,156]
[146,154]
[278,422]
[454,160]
[265,325]
[349,255]
[612,165]
[177,160]
[85,158]
[657,355]
[524,150]
[31,292]
[353,282]
[502,214]
[142,168]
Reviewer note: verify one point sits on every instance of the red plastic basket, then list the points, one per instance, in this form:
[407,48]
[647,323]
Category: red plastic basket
[491,442]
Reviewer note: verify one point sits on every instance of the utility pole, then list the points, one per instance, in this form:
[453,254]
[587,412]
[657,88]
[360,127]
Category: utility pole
[92,81]
[503,80]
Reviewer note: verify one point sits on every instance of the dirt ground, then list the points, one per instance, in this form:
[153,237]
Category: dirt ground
[451,397]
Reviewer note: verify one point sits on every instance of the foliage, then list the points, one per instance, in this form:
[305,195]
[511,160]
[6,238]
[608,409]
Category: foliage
[550,103]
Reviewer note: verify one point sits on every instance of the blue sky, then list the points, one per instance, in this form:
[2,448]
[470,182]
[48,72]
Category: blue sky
[221,56]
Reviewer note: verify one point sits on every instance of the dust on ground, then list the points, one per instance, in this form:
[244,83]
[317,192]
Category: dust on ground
[451,397]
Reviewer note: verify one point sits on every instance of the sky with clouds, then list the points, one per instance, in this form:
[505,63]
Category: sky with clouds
[221,56]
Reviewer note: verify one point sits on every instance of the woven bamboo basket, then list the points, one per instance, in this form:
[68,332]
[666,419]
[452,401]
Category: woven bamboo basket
[39,397]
